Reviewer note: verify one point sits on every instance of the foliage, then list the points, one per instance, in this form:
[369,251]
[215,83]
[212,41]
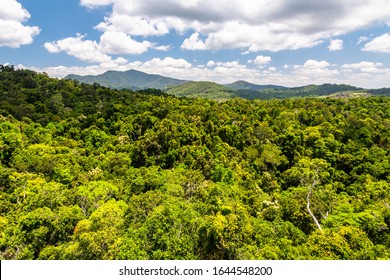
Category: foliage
[87,172]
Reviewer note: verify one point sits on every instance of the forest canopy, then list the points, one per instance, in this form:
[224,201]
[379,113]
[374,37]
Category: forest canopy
[89,172]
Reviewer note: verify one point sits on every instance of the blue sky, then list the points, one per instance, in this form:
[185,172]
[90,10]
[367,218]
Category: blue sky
[283,42]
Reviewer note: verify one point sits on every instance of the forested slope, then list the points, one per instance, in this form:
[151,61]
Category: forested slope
[92,173]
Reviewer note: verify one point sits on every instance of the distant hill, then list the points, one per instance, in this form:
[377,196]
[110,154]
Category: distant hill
[380,91]
[208,90]
[137,80]
[131,79]
[244,85]
[296,92]
[219,92]
[349,94]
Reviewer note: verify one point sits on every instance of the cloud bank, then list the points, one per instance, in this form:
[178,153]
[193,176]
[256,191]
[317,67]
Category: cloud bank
[269,25]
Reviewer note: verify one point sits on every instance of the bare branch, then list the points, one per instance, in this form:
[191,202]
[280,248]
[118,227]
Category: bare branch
[311,213]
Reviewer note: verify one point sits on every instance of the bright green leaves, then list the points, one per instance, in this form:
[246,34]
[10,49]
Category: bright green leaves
[92,173]
[346,243]
[170,231]
[98,236]
[93,195]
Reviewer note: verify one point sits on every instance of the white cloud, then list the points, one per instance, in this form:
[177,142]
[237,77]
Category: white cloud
[272,25]
[336,45]
[362,39]
[314,64]
[379,44]
[85,50]
[121,43]
[95,3]
[13,10]
[110,43]
[314,72]
[193,43]
[365,66]
[210,64]
[13,33]
[230,64]
[162,48]
[362,64]
[262,60]
[135,25]
[169,64]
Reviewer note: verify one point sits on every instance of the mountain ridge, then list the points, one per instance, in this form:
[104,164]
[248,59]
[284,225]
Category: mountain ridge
[130,79]
[138,80]
[244,85]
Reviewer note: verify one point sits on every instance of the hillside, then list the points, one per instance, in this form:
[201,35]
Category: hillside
[208,90]
[219,92]
[243,85]
[130,79]
[296,92]
[92,173]
[136,80]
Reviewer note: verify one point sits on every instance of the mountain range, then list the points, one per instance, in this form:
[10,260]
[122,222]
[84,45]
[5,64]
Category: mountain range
[137,80]
[131,79]
[244,85]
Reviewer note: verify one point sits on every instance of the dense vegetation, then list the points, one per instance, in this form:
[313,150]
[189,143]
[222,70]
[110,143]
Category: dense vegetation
[92,173]
[267,92]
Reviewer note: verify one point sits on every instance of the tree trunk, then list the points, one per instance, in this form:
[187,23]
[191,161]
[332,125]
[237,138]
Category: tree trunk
[308,209]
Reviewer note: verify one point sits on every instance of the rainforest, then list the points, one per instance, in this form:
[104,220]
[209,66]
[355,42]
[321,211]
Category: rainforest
[89,172]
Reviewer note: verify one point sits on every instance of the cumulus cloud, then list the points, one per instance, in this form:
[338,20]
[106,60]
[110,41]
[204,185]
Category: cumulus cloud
[365,66]
[261,60]
[110,43]
[13,33]
[193,43]
[134,25]
[379,44]
[211,63]
[95,3]
[336,45]
[121,43]
[271,25]
[314,71]
[314,64]
[85,50]
[168,62]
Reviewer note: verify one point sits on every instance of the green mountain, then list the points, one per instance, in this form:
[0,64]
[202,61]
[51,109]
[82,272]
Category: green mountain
[131,79]
[297,92]
[137,80]
[208,90]
[244,85]
[219,92]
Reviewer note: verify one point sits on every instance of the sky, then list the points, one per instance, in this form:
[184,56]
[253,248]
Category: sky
[281,42]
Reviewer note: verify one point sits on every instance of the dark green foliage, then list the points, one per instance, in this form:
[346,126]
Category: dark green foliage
[87,172]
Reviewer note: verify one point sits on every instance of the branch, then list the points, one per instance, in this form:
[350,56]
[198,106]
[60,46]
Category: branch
[308,209]
[324,216]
